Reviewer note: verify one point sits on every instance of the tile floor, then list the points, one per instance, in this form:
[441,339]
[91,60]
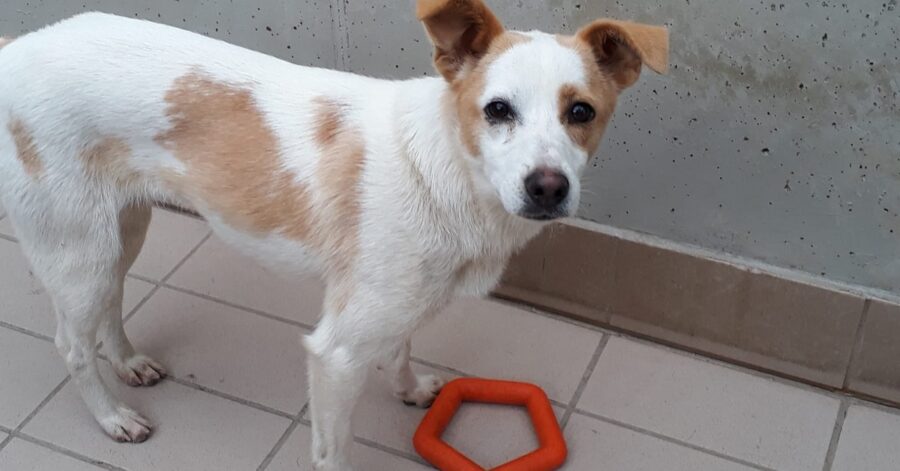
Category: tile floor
[228,332]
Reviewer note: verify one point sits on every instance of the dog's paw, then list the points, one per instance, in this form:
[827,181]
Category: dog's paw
[427,388]
[126,426]
[140,370]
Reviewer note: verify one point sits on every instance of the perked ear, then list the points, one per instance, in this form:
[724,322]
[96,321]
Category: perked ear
[461,31]
[621,47]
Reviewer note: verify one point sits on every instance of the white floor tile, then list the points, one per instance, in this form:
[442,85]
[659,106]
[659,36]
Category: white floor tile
[870,441]
[170,238]
[385,419]
[492,435]
[219,271]
[29,370]
[492,339]
[223,348]
[20,455]
[596,445]
[25,302]
[718,408]
[294,456]
[194,430]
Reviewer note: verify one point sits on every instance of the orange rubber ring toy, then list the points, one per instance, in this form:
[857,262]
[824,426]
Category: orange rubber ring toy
[550,455]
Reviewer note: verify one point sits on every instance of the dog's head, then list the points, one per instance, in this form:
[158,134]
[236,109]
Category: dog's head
[532,107]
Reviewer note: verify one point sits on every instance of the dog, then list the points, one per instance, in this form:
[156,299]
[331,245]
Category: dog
[401,194]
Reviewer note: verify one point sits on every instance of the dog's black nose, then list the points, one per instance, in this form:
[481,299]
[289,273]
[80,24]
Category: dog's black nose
[547,188]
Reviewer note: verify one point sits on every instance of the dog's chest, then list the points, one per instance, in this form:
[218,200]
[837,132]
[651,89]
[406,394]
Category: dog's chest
[477,274]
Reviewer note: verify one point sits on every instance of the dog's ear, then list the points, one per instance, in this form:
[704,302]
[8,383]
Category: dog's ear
[621,47]
[461,31]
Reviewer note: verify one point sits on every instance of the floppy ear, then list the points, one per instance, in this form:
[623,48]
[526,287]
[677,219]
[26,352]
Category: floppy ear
[621,47]
[461,31]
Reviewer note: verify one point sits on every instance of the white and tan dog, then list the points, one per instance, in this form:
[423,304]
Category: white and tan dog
[402,194]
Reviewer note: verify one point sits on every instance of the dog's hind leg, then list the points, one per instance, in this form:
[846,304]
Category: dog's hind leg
[135,369]
[76,249]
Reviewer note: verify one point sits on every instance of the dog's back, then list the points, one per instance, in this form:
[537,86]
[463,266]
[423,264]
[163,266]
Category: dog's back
[96,76]
[147,112]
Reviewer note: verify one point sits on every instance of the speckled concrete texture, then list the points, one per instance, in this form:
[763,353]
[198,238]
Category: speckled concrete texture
[776,136]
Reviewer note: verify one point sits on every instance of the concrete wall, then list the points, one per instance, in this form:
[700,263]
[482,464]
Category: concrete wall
[775,137]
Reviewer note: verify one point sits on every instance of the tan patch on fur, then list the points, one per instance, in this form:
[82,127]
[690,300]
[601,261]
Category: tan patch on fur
[5,42]
[338,177]
[468,88]
[601,93]
[462,31]
[25,148]
[622,47]
[234,167]
[232,158]
[108,156]
[329,120]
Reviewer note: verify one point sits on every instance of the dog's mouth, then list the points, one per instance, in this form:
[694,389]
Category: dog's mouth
[543,215]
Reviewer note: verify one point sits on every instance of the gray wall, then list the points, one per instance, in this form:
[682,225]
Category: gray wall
[776,136]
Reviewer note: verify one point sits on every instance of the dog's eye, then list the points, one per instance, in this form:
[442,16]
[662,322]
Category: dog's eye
[581,113]
[498,111]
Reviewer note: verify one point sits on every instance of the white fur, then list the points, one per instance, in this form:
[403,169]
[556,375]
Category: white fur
[540,139]
[428,231]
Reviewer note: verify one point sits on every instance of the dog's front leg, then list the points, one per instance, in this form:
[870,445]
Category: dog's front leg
[337,375]
[339,354]
[355,331]
[412,389]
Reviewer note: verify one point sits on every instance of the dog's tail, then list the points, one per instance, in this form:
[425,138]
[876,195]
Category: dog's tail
[4,41]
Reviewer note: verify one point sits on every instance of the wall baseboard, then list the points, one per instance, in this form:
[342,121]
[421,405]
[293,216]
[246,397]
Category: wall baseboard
[814,330]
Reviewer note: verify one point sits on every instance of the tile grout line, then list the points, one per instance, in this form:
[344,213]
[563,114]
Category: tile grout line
[67,452]
[223,395]
[585,378]
[545,314]
[836,435]
[184,260]
[166,276]
[27,332]
[674,441]
[140,303]
[708,357]
[862,402]
[230,397]
[230,304]
[142,278]
[730,365]
[857,344]
[300,421]
[278,444]
[368,443]
[5,441]
[15,432]
[442,368]
[681,350]
[390,450]
[463,374]
[43,403]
